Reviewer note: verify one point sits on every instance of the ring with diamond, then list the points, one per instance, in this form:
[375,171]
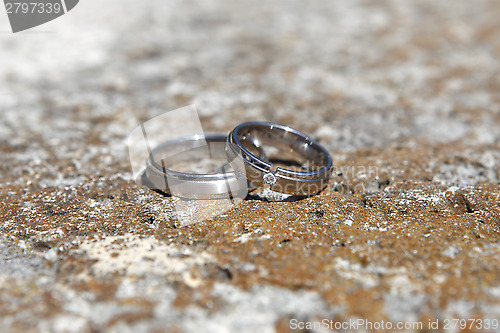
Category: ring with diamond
[290,161]
[206,173]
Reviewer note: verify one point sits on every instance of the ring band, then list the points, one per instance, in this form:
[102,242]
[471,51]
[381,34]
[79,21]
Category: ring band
[222,183]
[296,148]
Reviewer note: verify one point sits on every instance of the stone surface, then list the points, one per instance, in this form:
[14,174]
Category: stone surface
[404,94]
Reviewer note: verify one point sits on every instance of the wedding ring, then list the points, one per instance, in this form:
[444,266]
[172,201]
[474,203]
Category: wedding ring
[308,164]
[206,173]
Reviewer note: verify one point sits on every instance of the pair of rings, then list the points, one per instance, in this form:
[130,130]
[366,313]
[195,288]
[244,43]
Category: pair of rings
[254,154]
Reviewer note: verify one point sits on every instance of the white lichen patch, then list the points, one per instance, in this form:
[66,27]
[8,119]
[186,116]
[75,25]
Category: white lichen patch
[141,256]
[368,276]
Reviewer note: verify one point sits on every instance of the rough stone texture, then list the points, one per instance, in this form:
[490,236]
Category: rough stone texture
[404,94]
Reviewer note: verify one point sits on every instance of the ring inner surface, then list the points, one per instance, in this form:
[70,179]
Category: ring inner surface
[284,149]
[192,157]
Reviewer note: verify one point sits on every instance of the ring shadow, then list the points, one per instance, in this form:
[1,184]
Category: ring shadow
[144,181]
[292,198]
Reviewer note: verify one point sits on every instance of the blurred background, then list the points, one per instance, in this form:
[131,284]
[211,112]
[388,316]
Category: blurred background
[354,74]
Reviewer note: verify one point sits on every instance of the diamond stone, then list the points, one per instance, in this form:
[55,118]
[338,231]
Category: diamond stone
[269,178]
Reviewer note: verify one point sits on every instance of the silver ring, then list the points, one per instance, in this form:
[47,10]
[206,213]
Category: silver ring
[293,148]
[220,183]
